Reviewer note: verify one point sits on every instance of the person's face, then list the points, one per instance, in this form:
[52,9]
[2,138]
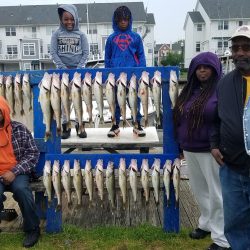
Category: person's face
[123,24]
[68,21]
[1,118]
[203,73]
[241,54]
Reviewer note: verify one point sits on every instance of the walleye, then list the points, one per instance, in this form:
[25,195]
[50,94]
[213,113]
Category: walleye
[132,97]
[133,178]
[44,99]
[18,93]
[121,95]
[27,93]
[89,179]
[110,95]
[98,93]
[145,178]
[56,180]
[167,169]
[99,178]
[65,98]
[2,86]
[123,180]
[176,180]
[66,181]
[87,94]
[55,100]
[173,88]
[156,90]
[143,94]
[77,181]
[156,179]
[110,183]
[77,99]
[9,93]
[47,180]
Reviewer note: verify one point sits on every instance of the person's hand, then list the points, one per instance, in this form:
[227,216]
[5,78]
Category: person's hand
[217,156]
[8,177]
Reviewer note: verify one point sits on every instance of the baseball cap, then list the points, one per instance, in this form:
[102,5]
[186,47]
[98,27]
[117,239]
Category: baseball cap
[243,30]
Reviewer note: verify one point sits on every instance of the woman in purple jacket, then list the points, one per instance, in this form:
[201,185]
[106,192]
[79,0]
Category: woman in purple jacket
[193,117]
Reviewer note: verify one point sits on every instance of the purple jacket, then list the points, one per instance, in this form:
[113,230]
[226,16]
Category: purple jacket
[200,137]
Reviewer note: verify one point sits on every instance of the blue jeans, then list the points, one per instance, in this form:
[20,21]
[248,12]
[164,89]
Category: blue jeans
[23,195]
[236,203]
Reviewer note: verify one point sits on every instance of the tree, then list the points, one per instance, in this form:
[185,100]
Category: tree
[172,59]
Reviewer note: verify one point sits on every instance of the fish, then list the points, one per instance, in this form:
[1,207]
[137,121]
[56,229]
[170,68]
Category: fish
[77,181]
[9,94]
[143,94]
[132,97]
[65,98]
[27,92]
[87,94]
[173,88]
[156,179]
[110,183]
[2,86]
[110,95]
[44,99]
[156,90]
[55,100]
[47,180]
[122,179]
[66,181]
[167,169]
[18,93]
[77,99]
[133,178]
[56,180]
[176,180]
[89,179]
[98,93]
[121,95]
[99,178]
[145,178]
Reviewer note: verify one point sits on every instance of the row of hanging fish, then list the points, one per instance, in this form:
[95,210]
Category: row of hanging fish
[55,91]
[59,179]
[17,91]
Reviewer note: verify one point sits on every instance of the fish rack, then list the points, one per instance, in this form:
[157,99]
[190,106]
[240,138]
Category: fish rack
[51,149]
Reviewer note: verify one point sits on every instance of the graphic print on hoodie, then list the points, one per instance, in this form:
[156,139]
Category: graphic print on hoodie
[69,49]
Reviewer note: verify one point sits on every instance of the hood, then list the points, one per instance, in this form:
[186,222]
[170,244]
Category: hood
[205,58]
[4,107]
[115,26]
[73,11]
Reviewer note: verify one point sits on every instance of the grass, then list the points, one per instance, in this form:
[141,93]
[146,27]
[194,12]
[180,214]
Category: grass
[110,238]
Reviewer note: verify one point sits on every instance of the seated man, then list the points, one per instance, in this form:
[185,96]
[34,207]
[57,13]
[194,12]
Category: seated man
[18,158]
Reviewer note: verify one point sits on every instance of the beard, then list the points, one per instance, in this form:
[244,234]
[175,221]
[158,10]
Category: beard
[243,64]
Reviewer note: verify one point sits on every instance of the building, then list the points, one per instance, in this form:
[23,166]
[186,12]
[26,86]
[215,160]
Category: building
[25,34]
[210,25]
[161,51]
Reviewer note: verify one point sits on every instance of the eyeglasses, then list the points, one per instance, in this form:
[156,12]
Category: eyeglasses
[244,47]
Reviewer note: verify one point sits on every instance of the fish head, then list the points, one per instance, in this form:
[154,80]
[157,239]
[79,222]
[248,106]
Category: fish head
[1,80]
[111,79]
[177,163]
[133,165]
[88,166]
[145,78]
[157,165]
[56,166]
[132,83]
[56,81]
[18,79]
[66,166]
[26,78]
[76,166]
[87,79]
[77,79]
[144,165]
[65,79]
[8,81]
[47,167]
[99,165]
[98,78]
[46,81]
[168,166]
[122,79]
[122,164]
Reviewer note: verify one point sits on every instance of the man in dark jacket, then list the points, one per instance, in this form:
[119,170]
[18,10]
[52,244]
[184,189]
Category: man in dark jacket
[227,143]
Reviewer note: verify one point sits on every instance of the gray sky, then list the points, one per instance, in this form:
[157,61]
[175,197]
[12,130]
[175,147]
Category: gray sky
[169,14]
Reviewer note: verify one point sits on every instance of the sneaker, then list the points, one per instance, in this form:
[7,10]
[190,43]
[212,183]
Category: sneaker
[65,132]
[214,246]
[139,131]
[114,131]
[82,134]
[198,234]
[31,238]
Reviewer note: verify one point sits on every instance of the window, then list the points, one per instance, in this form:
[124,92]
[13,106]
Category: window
[222,44]
[150,51]
[50,30]
[198,47]
[240,23]
[92,31]
[10,31]
[12,49]
[48,48]
[27,66]
[93,48]
[29,49]
[223,25]
[199,27]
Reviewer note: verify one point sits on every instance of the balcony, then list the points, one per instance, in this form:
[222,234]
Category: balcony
[9,57]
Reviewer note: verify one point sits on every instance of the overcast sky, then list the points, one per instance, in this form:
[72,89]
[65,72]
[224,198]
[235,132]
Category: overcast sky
[169,14]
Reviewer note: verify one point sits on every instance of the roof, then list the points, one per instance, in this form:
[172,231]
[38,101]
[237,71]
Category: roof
[150,18]
[225,9]
[196,17]
[97,12]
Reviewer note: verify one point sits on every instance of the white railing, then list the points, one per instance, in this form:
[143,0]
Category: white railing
[45,56]
[9,57]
